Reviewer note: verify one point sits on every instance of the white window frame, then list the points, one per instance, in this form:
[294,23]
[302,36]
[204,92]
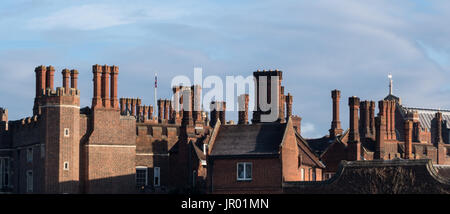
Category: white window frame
[29,181]
[156,174]
[64,165]
[30,154]
[244,164]
[146,174]
[66,132]
[302,174]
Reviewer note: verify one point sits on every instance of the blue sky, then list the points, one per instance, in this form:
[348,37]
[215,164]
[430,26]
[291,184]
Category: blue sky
[320,45]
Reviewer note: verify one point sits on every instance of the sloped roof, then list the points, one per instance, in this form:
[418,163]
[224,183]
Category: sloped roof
[319,145]
[427,115]
[248,140]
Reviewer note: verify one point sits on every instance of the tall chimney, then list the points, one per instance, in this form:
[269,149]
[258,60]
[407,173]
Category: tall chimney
[66,80]
[197,96]
[215,113]
[223,108]
[365,119]
[97,100]
[388,120]
[41,73]
[297,123]
[354,145]
[114,79]
[133,106]
[408,139]
[289,101]
[145,113]
[282,100]
[166,110]
[336,123]
[243,108]
[372,119]
[105,86]
[150,112]
[128,108]
[74,79]
[122,106]
[380,124]
[382,105]
[187,108]
[438,128]
[160,110]
[50,77]
[392,114]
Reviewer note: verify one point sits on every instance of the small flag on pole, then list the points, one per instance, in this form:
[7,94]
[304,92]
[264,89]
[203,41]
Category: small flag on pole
[156,81]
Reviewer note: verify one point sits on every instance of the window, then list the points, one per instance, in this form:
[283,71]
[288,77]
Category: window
[30,181]
[66,165]
[328,175]
[4,173]
[302,174]
[244,171]
[313,175]
[156,177]
[141,176]
[66,132]
[30,155]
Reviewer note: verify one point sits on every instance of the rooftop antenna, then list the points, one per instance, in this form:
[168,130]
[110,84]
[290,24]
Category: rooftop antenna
[390,84]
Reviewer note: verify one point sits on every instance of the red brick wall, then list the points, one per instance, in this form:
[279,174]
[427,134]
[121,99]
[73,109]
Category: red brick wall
[266,176]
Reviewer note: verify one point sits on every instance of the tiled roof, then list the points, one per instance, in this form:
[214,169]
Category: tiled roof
[254,139]
[427,115]
[319,145]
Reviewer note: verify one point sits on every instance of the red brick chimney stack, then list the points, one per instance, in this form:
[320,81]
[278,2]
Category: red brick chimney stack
[50,77]
[408,139]
[383,111]
[336,123]
[282,100]
[243,108]
[354,145]
[215,113]
[297,123]
[365,119]
[372,119]
[97,99]
[133,107]
[289,101]
[122,105]
[145,114]
[197,105]
[128,105]
[66,80]
[41,72]
[187,107]
[167,105]
[74,79]
[160,110]
[380,124]
[438,128]
[150,112]
[105,86]
[114,83]
[223,108]
[392,115]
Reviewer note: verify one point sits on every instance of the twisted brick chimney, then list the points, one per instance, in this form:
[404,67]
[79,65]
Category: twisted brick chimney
[336,123]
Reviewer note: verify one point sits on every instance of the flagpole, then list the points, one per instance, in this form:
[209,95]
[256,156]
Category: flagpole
[156,87]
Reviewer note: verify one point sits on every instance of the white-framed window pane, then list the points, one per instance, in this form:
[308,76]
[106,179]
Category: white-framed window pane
[302,174]
[248,171]
[240,171]
[141,176]
[156,176]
